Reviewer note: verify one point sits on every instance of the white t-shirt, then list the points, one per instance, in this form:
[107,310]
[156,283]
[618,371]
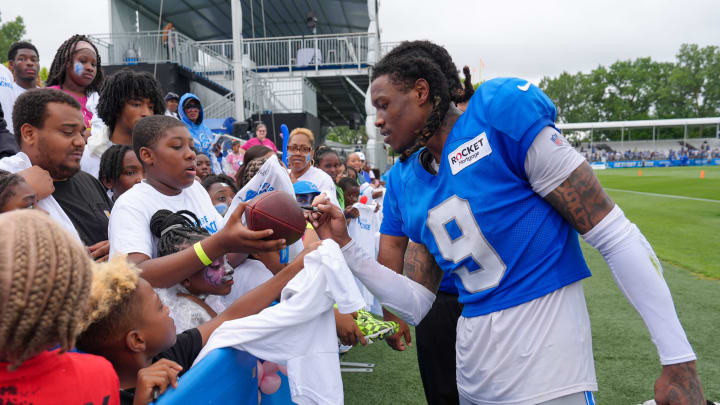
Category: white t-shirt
[98,142]
[129,229]
[186,313]
[322,181]
[7,95]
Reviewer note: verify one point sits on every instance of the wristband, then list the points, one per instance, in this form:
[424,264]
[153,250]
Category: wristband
[201,254]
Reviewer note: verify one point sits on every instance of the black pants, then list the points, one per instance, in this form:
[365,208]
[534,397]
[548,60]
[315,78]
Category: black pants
[435,340]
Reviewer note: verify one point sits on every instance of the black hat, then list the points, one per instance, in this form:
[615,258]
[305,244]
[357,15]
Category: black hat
[172,96]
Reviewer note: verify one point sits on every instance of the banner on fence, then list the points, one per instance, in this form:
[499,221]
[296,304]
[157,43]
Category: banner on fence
[655,163]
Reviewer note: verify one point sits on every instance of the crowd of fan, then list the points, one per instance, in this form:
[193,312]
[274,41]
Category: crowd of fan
[124,173]
[600,155]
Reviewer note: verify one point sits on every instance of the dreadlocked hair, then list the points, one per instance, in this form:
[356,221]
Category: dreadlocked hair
[123,86]
[63,59]
[111,163]
[251,154]
[174,230]
[112,307]
[45,277]
[8,181]
[323,151]
[414,60]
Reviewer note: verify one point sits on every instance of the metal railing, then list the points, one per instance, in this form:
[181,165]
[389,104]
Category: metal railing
[155,47]
[212,60]
[348,50]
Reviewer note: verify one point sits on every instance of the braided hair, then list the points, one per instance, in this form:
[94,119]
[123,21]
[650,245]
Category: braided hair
[123,86]
[45,277]
[251,154]
[8,181]
[111,163]
[414,60]
[174,230]
[63,59]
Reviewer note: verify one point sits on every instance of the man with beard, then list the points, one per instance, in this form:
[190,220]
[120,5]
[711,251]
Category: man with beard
[49,128]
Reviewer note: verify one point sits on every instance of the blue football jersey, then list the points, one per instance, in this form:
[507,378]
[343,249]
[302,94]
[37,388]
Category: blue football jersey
[479,216]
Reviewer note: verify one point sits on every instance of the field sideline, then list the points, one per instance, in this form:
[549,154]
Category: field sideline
[685,236]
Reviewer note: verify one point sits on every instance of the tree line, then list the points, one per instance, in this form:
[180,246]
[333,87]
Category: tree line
[642,89]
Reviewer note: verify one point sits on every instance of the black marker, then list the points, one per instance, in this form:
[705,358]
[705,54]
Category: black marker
[309,208]
[155,393]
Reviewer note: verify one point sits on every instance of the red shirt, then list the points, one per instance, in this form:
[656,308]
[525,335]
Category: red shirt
[68,378]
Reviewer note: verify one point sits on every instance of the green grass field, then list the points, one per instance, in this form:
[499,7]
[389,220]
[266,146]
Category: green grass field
[686,236]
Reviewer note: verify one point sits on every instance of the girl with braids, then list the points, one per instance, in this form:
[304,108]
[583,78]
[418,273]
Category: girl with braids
[494,198]
[77,70]
[45,277]
[328,161]
[300,162]
[119,170]
[186,300]
[125,98]
[15,193]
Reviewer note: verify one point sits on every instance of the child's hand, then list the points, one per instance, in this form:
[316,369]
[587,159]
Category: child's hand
[351,212]
[160,374]
[237,238]
[347,330]
[39,180]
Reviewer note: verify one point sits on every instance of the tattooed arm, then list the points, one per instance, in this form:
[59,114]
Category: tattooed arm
[420,266]
[585,205]
[581,200]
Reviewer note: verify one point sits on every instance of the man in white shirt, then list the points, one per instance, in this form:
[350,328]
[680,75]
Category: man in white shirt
[24,62]
[8,146]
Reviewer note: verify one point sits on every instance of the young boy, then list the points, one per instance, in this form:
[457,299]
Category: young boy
[132,328]
[126,97]
[351,192]
[164,147]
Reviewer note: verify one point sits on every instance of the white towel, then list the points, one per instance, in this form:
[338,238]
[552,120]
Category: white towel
[20,161]
[300,330]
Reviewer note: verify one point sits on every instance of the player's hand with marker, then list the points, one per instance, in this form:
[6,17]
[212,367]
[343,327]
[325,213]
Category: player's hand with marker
[154,380]
[328,220]
[236,237]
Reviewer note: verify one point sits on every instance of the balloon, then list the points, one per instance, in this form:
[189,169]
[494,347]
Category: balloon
[270,368]
[260,372]
[283,369]
[363,199]
[270,384]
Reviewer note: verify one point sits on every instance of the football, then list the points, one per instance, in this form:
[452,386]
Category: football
[278,211]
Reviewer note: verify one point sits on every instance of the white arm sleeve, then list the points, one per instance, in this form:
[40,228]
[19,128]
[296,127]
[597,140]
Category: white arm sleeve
[411,301]
[550,160]
[639,276]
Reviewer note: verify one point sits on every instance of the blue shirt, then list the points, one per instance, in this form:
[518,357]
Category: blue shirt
[478,216]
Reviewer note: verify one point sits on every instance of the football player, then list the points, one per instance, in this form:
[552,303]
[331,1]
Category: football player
[497,197]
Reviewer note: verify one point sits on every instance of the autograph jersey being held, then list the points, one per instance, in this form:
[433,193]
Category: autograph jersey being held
[479,216]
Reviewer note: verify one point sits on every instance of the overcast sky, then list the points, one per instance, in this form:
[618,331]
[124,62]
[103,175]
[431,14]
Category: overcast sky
[528,39]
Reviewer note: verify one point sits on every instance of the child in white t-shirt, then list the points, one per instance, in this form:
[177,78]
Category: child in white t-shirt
[164,147]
